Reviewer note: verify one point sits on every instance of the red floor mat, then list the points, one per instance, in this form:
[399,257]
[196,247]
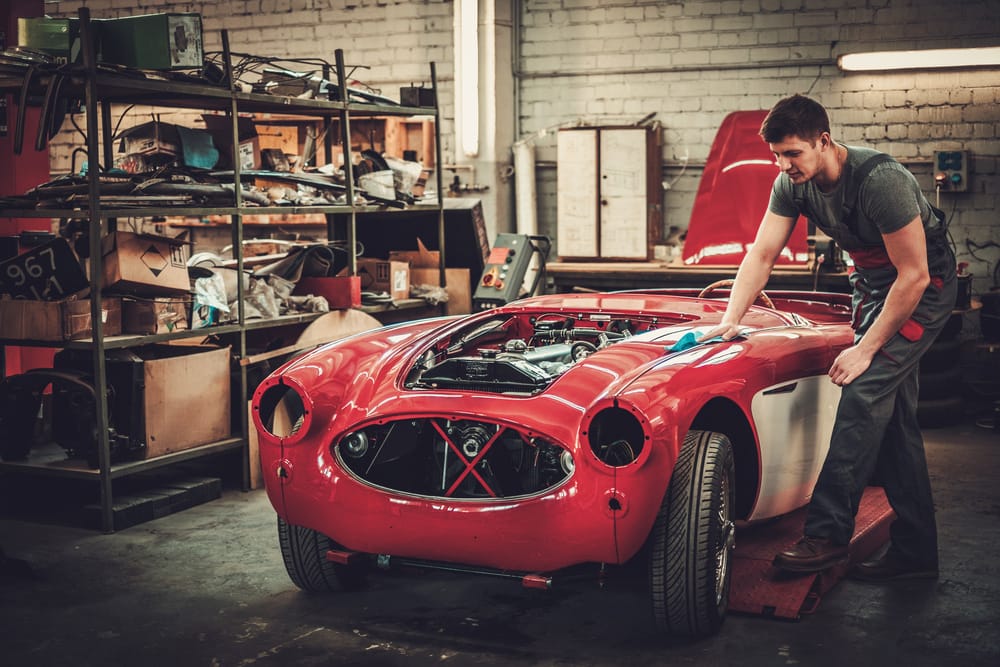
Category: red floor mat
[759,589]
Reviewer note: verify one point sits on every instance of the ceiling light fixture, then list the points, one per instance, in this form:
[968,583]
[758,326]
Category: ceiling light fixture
[926,59]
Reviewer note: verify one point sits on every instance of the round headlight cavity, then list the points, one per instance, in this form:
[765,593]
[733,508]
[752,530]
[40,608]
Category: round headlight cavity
[616,436]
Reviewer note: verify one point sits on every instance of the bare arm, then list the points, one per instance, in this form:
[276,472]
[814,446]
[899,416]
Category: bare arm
[907,251]
[755,269]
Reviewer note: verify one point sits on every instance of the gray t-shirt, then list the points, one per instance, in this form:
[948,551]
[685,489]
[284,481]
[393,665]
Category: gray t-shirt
[887,200]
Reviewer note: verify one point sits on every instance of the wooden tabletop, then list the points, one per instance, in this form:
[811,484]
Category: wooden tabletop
[568,276]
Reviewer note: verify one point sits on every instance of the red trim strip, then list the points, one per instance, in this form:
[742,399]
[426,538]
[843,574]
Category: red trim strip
[856,315]
[870,258]
[911,330]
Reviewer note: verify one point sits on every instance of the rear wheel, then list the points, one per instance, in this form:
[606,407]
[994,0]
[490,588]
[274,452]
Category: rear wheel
[692,540]
[304,552]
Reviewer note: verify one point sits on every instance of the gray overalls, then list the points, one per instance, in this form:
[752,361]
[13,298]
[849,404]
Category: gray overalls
[876,429]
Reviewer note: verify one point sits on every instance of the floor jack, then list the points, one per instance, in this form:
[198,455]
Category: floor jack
[758,588]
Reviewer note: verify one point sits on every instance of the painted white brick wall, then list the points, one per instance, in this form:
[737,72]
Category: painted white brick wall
[698,61]
[691,62]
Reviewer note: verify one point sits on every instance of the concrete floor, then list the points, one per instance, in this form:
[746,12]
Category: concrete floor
[207,586]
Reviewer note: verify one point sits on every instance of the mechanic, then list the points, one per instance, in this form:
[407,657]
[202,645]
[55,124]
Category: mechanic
[903,291]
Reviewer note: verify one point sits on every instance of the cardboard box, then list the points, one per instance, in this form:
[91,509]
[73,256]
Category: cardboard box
[340,291]
[152,138]
[221,129]
[421,258]
[378,275]
[145,264]
[155,315]
[424,270]
[166,397]
[69,319]
[152,144]
[457,286]
[181,381]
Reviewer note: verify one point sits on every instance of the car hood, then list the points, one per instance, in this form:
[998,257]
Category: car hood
[376,376]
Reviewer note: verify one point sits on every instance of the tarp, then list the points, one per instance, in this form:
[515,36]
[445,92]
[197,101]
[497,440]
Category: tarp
[733,195]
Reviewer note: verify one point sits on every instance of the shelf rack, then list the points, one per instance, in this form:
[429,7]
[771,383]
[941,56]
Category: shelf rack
[100,90]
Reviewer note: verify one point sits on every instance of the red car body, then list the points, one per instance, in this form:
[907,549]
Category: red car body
[458,441]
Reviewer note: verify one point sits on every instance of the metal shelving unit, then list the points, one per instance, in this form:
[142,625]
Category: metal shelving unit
[100,90]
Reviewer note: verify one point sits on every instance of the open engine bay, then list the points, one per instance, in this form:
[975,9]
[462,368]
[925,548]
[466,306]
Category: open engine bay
[523,353]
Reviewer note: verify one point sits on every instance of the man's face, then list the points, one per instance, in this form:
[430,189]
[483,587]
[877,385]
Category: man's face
[799,158]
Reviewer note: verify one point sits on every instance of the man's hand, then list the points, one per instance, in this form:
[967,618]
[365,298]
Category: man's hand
[849,364]
[751,277]
[907,251]
[723,330]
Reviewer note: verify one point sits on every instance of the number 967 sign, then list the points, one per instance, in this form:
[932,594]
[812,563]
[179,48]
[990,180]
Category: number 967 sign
[49,272]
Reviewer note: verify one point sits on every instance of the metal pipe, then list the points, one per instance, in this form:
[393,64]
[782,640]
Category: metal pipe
[531,580]
[812,62]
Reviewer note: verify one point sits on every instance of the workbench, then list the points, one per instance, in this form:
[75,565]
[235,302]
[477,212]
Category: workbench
[611,276]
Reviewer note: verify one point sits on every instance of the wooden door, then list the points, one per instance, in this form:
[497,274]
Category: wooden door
[623,195]
[577,194]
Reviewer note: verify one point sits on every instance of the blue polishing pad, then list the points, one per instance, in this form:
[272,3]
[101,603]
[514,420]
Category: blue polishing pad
[689,340]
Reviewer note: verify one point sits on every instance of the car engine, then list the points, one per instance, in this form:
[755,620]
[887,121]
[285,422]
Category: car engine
[516,364]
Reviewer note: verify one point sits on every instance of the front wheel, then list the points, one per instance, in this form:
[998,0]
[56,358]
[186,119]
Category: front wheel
[304,552]
[692,539]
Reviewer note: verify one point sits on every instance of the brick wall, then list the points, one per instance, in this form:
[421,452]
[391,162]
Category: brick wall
[391,42]
[694,62]
[690,62]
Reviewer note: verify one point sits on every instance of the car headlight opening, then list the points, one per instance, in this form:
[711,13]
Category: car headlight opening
[616,436]
[282,411]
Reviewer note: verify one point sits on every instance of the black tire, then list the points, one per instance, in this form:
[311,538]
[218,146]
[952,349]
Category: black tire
[690,562]
[304,552]
[941,384]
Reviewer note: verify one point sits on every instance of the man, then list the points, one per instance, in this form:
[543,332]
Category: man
[903,293]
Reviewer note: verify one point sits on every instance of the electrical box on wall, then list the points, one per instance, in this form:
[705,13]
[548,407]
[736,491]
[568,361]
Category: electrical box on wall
[951,170]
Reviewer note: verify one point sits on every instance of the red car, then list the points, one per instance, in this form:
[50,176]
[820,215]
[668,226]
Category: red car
[553,431]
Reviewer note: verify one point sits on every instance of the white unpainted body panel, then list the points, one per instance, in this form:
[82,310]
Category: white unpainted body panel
[794,421]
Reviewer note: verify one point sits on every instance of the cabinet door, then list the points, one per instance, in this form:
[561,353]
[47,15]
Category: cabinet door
[578,192]
[623,196]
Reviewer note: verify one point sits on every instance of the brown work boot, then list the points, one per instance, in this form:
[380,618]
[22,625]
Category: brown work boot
[890,567]
[811,554]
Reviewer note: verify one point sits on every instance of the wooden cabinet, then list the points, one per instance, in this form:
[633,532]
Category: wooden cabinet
[610,194]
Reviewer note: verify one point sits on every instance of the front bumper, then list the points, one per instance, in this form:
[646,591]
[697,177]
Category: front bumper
[588,518]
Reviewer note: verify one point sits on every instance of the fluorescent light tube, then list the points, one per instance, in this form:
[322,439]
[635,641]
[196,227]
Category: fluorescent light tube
[926,59]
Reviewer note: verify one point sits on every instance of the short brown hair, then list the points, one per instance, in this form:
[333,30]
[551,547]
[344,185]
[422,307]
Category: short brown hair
[796,115]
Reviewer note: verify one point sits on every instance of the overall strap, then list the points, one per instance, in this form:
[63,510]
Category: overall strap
[857,178]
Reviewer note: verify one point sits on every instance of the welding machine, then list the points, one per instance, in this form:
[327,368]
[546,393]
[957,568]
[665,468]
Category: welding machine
[507,265]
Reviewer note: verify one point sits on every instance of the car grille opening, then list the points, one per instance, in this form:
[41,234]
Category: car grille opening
[454,458]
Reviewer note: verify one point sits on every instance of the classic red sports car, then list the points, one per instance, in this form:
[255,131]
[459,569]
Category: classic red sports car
[553,431]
